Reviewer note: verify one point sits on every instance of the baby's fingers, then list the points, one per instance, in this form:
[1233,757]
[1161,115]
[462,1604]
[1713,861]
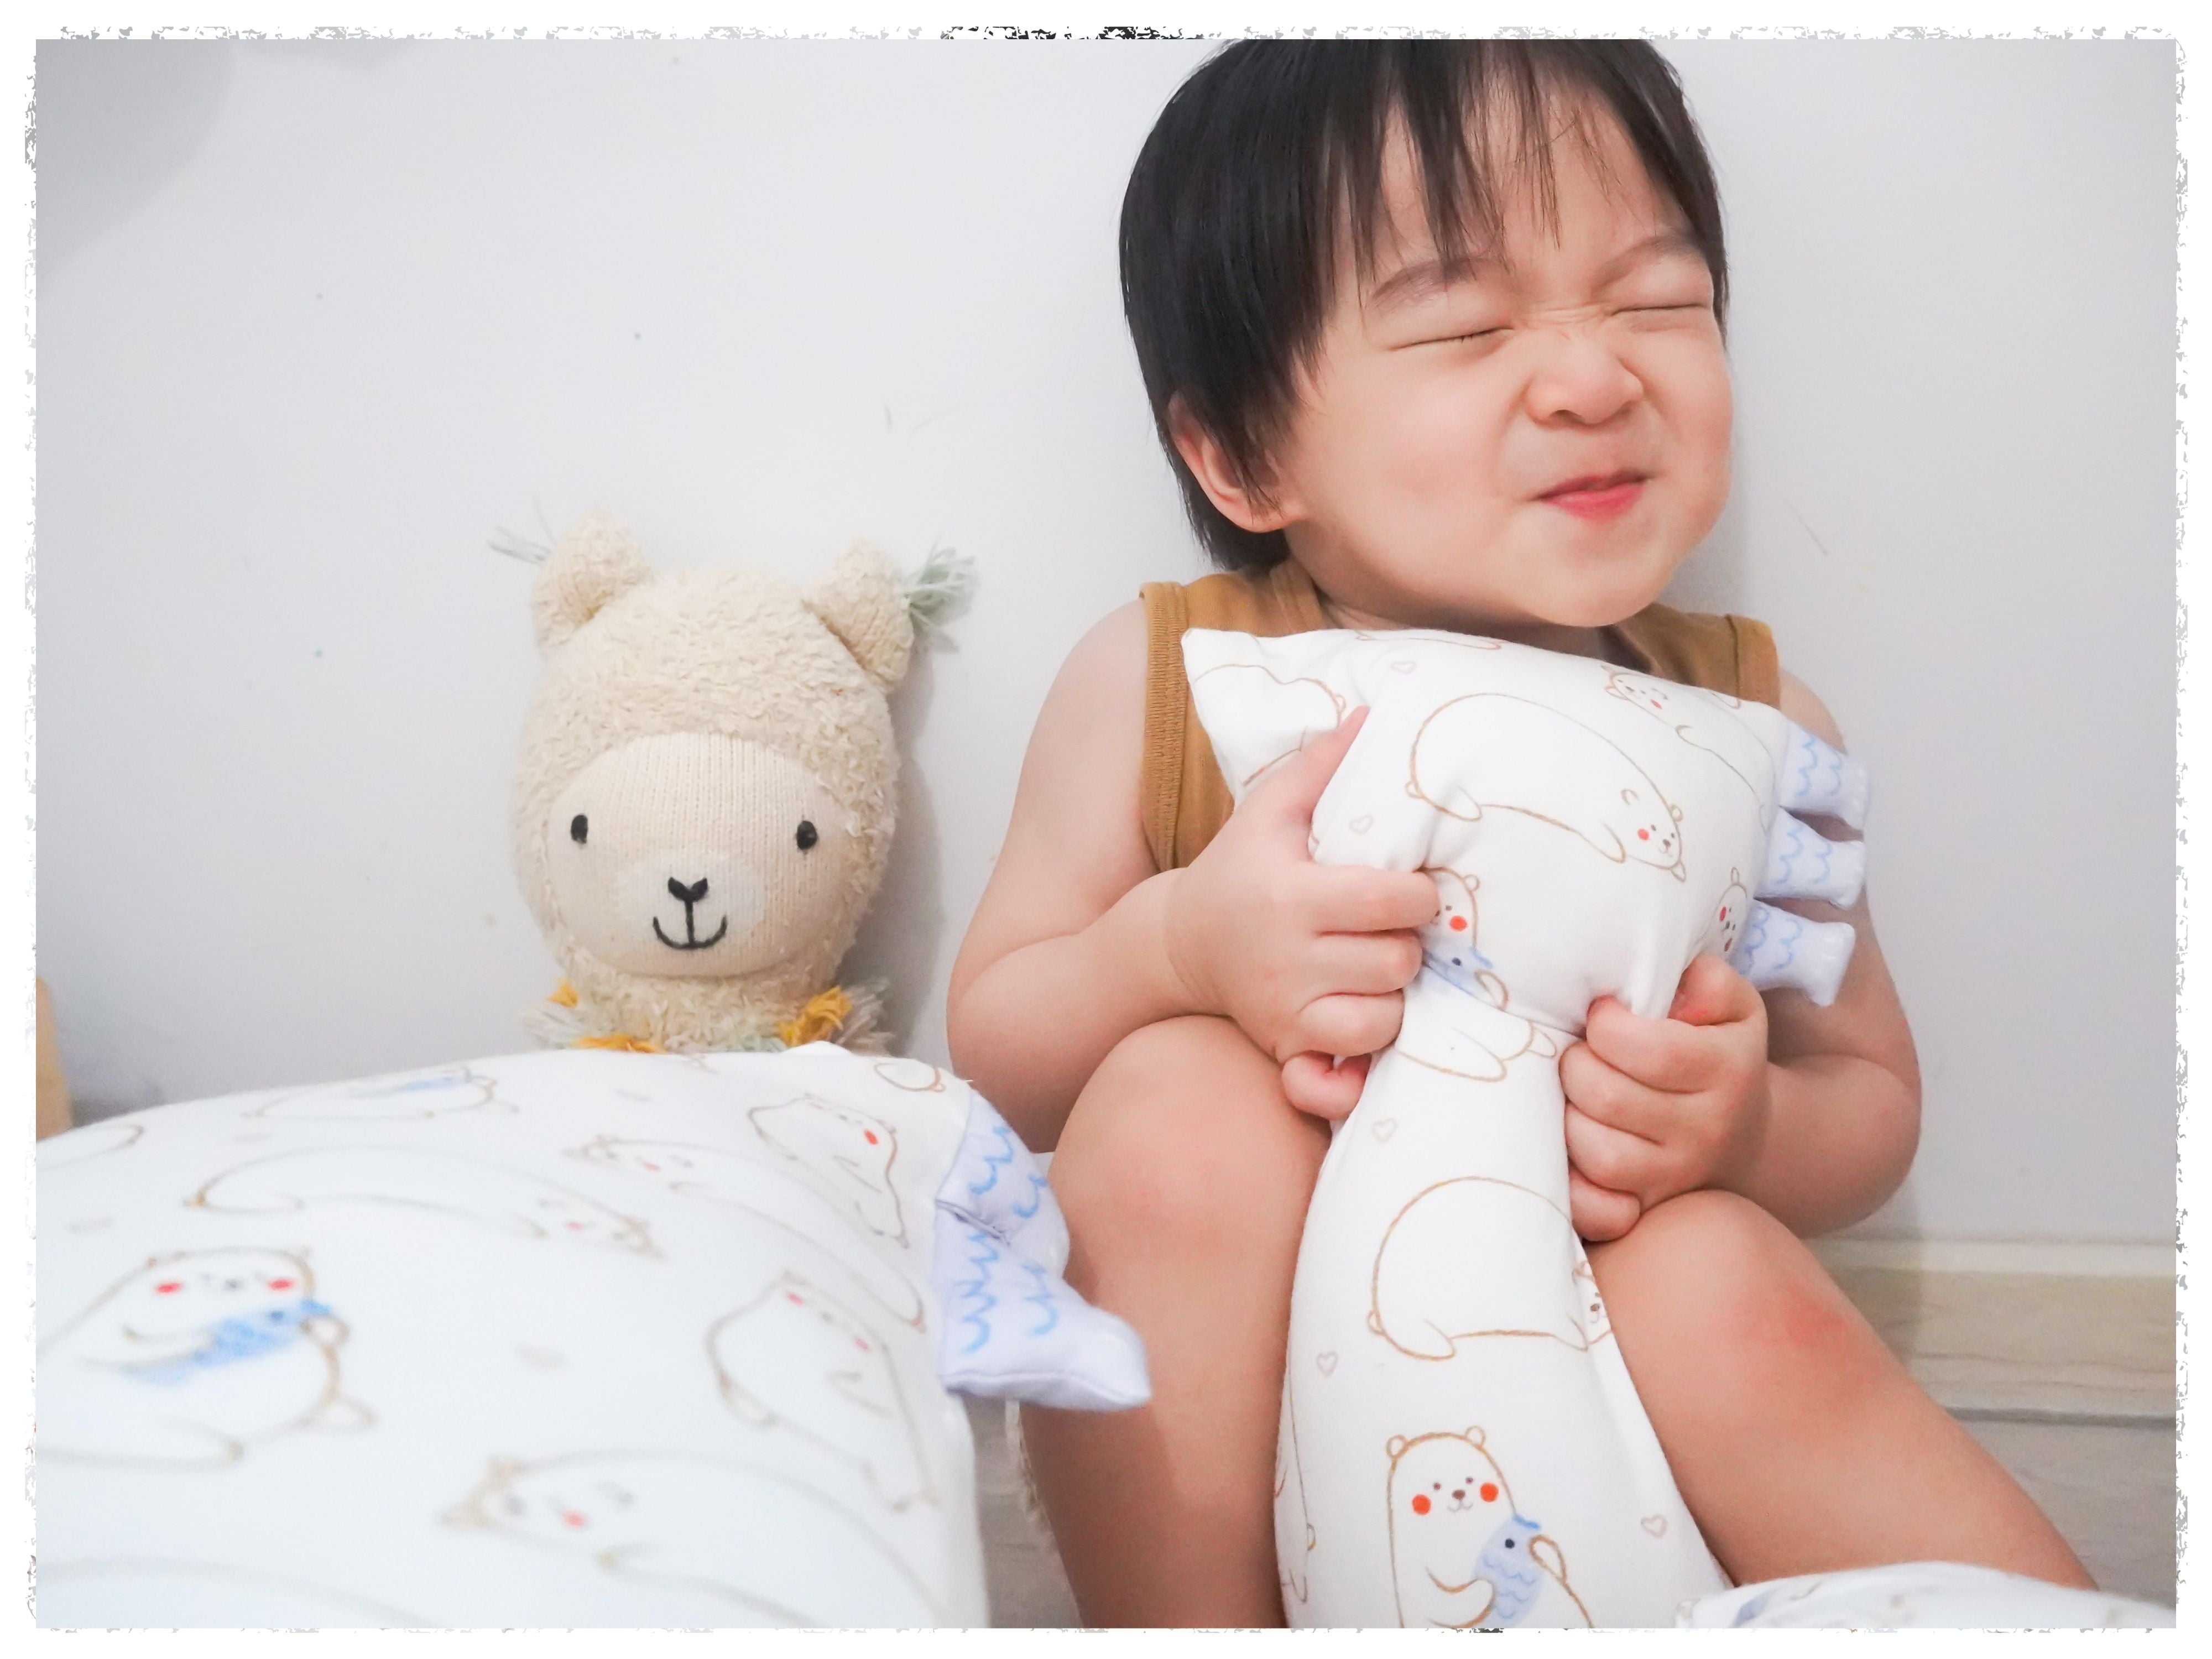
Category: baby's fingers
[1614,1158]
[1351,898]
[1604,1092]
[1289,793]
[1348,1024]
[1599,1214]
[1326,1090]
[1372,964]
[1665,1055]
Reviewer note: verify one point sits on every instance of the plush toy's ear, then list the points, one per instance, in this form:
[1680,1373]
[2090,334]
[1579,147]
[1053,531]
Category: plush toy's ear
[1395,1448]
[597,562]
[1475,1435]
[863,602]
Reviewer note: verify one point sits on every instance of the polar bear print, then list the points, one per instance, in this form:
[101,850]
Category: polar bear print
[795,1355]
[424,1094]
[1492,751]
[142,1594]
[191,1358]
[1430,1289]
[1307,708]
[917,1076]
[1590,1306]
[848,1152]
[1447,943]
[1726,926]
[443,1182]
[1466,1031]
[1427,636]
[74,1146]
[1294,1531]
[1707,720]
[781,1552]
[1463,1557]
[714,1175]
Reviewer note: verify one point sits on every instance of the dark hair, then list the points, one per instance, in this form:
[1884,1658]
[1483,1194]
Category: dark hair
[1272,148]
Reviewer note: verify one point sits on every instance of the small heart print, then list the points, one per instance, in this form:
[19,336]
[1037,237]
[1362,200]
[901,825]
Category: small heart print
[1403,666]
[1656,1525]
[1385,1127]
[1362,824]
[1327,1361]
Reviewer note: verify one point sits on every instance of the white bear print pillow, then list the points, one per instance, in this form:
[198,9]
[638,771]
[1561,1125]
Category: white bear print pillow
[1461,1444]
[562,1339]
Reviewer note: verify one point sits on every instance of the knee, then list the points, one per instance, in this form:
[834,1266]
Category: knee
[1713,1275]
[1181,1136]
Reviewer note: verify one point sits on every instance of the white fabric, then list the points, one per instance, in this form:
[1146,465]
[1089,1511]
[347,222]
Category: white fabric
[1461,1443]
[577,1338]
[1919,1596]
[1012,1328]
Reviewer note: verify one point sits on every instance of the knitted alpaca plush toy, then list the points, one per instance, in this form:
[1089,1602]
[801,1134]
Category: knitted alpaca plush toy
[707,791]
[1461,1444]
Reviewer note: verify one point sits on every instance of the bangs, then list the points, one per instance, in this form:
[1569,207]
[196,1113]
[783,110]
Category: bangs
[1269,164]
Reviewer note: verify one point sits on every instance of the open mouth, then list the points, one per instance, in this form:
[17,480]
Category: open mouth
[1598,495]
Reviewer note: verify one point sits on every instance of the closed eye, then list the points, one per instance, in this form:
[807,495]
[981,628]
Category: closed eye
[1461,339]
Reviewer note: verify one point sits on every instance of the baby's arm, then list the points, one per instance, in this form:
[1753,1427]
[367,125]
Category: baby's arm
[1814,1113]
[1844,1080]
[1064,957]
[1078,941]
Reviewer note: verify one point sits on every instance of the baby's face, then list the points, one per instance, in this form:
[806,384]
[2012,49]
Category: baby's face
[1540,437]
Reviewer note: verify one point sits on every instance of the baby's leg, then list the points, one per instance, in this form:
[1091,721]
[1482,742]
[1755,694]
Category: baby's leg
[1800,1443]
[1184,1174]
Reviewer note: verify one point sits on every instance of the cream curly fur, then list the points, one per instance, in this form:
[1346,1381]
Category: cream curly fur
[632,655]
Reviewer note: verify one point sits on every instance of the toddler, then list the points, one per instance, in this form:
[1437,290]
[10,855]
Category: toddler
[1432,334]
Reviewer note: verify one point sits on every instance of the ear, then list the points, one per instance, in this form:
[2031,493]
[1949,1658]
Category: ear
[1475,1435]
[1675,812]
[1238,498]
[863,602]
[1396,1448]
[597,562]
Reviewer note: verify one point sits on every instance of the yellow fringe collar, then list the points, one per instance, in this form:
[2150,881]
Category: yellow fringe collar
[818,1022]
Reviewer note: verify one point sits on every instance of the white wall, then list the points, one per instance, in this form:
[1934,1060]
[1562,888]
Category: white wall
[313,319]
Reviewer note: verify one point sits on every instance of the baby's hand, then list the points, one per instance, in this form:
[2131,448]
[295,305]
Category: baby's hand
[1311,960]
[1658,1106]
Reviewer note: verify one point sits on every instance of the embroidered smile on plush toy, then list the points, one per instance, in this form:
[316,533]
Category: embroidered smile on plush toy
[707,791]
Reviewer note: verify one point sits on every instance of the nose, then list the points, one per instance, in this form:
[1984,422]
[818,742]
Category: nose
[1581,382]
[1458,1493]
[690,894]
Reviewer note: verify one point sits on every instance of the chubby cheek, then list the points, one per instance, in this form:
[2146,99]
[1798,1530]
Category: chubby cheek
[1686,379]
[1409,475]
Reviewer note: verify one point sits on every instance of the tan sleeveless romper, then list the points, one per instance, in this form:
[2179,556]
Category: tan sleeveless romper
[1184,800]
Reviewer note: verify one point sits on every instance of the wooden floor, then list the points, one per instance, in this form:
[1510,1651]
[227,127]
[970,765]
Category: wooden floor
[2066,1379]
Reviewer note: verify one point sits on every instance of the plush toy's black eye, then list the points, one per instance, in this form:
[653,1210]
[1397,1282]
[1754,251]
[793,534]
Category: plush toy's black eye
[808,834]
[579,827]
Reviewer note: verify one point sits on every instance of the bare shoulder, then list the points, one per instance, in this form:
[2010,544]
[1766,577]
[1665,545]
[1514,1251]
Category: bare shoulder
[1075,841]
[1090,733]
[1799,703]
[1107,664]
